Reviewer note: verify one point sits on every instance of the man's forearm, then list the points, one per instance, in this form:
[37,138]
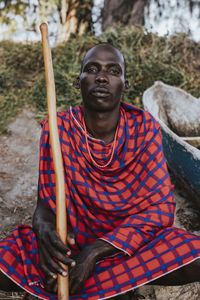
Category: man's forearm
[100,249]
[42,215]
[85,263]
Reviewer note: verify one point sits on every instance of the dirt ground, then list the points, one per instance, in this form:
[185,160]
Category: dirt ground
[19,172]
[19,153]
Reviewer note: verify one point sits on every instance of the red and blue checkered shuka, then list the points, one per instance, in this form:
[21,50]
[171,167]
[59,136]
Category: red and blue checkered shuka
[128,204]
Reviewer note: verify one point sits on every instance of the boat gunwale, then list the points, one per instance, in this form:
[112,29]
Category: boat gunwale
[145,99]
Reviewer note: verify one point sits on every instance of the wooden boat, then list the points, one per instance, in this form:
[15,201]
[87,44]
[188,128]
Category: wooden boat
[179,116]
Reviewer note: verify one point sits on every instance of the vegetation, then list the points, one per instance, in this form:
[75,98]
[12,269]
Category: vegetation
[68,17]
[65,17]
[175,61]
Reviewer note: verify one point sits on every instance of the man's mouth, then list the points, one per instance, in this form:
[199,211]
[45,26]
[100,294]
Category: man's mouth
[100,92]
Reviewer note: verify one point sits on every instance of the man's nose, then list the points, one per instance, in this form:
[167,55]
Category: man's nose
[101,77]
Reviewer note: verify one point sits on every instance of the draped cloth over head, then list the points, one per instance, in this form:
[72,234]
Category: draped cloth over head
[128,204]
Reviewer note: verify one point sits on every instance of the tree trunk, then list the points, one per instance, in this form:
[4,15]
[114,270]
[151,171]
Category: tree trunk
[75,18]
[127,12]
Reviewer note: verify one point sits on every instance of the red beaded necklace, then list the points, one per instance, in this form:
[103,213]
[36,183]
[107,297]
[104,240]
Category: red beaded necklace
[89,152]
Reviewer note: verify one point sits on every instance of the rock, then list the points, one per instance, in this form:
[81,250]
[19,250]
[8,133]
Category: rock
[145,292]
[186,292]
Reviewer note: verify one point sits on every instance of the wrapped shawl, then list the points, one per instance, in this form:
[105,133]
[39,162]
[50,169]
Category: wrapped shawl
[128,204]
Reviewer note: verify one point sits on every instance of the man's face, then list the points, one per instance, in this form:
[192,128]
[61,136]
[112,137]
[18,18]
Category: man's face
[102,78]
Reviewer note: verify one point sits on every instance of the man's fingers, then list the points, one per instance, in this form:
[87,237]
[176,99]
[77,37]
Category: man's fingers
[48,273]
[56,268]
[59,256]
[55,288]
[75,285]
[71,238]
[49,265]
[44,257]
[77,277]
[56,249]
[57,243]
[51,284]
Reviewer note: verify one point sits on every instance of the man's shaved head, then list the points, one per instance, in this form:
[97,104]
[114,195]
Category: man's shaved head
[102,79]
[104,46]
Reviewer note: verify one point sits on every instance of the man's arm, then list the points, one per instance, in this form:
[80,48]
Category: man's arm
[50,248]
[85,263]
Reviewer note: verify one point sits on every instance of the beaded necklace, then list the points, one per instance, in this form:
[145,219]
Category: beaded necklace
[89,152]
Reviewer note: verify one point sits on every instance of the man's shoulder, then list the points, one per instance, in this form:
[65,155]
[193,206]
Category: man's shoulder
[137,113]
[61,116]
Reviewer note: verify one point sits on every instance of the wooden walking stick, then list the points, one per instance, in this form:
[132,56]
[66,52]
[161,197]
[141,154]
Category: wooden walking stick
[61,216]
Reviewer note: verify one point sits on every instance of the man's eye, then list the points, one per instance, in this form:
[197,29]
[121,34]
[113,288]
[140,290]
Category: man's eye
[92,69]
[114,71]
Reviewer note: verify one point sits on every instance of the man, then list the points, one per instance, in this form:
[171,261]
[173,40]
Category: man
[118,195]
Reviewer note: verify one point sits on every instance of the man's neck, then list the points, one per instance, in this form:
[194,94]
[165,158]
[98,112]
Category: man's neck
[101,125]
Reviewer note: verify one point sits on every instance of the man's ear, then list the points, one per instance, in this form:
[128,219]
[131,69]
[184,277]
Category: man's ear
[126,86]
[77,83]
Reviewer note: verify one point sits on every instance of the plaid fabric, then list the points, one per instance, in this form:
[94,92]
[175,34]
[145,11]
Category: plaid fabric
[128,204]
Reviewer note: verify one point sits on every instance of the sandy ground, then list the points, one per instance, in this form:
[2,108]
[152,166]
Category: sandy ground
[19,172]
[18,194]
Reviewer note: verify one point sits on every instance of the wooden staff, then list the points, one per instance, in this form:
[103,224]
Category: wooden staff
[61,217]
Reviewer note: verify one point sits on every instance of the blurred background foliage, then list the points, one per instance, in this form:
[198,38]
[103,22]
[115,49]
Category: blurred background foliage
[174,60]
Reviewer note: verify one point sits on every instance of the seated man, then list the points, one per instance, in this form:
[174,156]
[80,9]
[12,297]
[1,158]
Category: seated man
[119,200]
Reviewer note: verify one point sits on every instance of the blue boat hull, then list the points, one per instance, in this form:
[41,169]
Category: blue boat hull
[171,105]
[183,164]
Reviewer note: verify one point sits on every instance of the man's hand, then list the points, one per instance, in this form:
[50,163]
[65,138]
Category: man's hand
[84,267]
[85,263]
[51,249]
